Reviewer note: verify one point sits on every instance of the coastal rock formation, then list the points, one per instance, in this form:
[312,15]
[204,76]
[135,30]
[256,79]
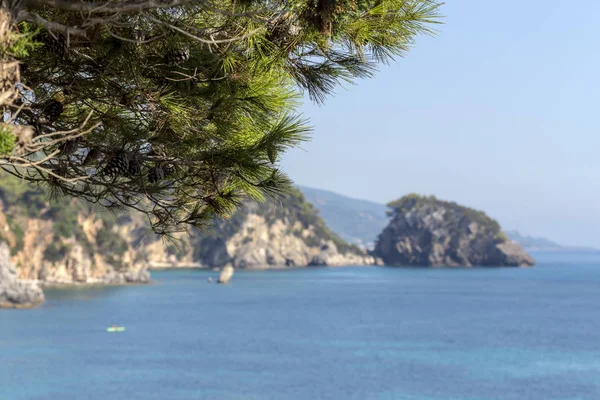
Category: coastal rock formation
[15,293]
[426,231]
[289,233]
[64,243]
[73,243]
[226,275]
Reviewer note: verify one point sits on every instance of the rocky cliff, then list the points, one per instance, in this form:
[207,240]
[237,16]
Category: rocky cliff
[13,292]
[426,231]
[64,242]
[69,242]
[285,233]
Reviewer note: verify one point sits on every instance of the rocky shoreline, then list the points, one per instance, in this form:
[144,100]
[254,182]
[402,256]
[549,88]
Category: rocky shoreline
[121,280]
[166,266]
[15,293]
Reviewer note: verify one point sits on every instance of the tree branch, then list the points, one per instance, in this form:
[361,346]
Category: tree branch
[50,25]
[207,41]
[108,6]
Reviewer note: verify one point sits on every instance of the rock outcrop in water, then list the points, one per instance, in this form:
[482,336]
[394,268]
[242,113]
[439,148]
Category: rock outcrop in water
[226,275]
[13,292]
[426,231]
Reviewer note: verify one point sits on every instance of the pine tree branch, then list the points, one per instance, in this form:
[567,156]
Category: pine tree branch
[207,41]
[108,6]
[50,25]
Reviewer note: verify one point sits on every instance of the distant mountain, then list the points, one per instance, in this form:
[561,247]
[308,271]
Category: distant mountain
[356,221]
[532,243]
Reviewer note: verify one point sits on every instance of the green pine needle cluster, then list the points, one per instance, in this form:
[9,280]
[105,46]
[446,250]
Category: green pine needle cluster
[7,140]
[194,104]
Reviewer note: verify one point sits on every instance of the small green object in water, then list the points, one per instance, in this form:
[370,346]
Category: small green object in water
[115,329]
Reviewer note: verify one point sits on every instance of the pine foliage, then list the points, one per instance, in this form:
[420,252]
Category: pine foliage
[192,103]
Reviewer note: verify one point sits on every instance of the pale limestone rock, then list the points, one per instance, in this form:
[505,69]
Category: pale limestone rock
[226,274]
[258,244]
[13,292]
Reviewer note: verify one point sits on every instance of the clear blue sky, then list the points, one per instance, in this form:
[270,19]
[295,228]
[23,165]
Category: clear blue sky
[500,112]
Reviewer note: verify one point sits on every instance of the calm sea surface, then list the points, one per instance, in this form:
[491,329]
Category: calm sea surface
[345,333]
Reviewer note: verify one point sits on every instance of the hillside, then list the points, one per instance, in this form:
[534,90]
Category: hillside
[288,232]
[532,243]
[425,231]
[356,221]
[68,241]
[64,241]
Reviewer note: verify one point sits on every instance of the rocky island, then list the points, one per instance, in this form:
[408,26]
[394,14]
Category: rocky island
[425,231]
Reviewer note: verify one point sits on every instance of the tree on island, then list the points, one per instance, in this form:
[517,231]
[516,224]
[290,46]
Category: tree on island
[179,108]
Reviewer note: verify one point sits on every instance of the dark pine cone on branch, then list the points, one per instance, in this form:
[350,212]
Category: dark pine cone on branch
[135,167]
[117,166]
[55,43]
[177,55]
[156,174]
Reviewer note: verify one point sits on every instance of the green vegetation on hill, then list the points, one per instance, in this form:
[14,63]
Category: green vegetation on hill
[66,216]
[22,201]
[292,209]
[453,212]
[427,231]
[356,221]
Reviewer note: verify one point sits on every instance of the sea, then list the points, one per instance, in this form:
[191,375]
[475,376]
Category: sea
[364,333]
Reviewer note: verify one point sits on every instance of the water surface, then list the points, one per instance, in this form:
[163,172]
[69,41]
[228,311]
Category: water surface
[343,333]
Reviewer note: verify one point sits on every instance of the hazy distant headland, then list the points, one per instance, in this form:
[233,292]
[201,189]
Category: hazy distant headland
[533,243]
[361,221]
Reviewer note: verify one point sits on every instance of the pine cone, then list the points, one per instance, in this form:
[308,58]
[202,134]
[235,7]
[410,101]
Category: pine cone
[117,166]
[57,44]
[178,55]
[92,156]
[278,28]
[131,100]
[156,174]
[53,109]
[69,147]
[135,168]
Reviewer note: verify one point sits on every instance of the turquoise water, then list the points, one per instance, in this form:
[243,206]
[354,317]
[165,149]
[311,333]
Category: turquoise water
[348,333]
